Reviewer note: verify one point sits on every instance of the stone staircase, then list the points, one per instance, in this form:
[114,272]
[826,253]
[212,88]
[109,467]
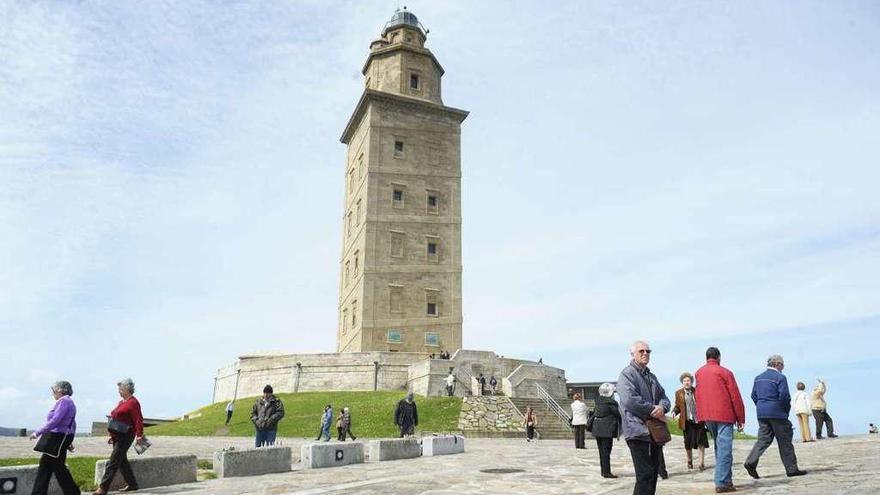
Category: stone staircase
[550,427]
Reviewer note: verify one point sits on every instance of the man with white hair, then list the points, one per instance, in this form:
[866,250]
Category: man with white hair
[773,401]
[641,398]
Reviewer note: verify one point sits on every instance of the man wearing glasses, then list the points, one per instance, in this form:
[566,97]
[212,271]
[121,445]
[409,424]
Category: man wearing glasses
[641,397]
[720,405]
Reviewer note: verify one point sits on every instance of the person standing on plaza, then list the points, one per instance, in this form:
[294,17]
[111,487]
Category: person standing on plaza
[720,406]
[606,426]
[694,432]
[229,408]
[406,415]
[326,421]
[773,402]
[642,398]
[60,428]
[530,421]
[126,426]
[450,384]
[482,381]
[493,383]
[265,415]
[820,410]
[801,405]
[579,421]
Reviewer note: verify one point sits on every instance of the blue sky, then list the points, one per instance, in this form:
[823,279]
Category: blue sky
[688,173]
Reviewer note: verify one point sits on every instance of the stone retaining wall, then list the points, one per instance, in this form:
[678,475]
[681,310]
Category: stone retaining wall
[489,414]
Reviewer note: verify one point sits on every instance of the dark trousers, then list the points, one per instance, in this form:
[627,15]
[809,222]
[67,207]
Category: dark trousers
[781,430]
[265,438]
[406,430]
[579,434]
[48,467]
[119,462]
[346,432]
[530,432]
[646,461]
[449,390]
[822,417]
[228,416]
[661,466]
[604,445]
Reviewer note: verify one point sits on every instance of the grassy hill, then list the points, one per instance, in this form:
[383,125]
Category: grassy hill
[372,415]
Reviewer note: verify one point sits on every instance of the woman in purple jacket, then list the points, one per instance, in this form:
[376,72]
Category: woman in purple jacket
[61,419]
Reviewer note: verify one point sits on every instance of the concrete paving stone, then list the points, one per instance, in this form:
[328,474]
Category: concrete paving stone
[847,465]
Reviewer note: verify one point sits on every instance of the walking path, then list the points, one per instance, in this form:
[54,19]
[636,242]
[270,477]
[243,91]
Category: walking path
[847,465]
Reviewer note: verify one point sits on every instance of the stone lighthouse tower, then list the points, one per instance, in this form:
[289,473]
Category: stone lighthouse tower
[400,269]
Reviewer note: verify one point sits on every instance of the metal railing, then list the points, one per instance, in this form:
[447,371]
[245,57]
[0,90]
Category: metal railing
[554,406]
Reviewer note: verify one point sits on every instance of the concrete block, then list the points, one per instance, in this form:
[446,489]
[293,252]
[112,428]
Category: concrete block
[395,448]
[321,455]
[251,462]
[22,478]
[154,471]
[443,445]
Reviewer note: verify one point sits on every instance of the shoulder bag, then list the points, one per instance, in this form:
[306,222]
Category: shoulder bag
[53,444]
[659,431]
[116,426]
[591,418]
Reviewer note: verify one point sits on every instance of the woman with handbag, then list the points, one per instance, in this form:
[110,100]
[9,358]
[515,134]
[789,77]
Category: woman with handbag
[606,426]
[694,431]
[55,439]
[126,426]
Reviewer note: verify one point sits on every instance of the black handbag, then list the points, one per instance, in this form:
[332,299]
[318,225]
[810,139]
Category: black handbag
[53,444]
[591,418]
[116,426]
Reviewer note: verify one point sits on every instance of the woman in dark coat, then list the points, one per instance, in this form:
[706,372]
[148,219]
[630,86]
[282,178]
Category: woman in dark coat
[606,426]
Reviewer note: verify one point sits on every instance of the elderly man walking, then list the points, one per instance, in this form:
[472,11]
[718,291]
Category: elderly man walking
[773,401]
[720,406]
[641,398]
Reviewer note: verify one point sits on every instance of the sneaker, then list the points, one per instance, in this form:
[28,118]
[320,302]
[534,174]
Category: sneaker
[725,489]
[832,435]
[752,470]
[799,472]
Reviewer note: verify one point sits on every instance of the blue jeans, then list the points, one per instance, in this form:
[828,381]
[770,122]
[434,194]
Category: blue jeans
[266,437]
[723,435]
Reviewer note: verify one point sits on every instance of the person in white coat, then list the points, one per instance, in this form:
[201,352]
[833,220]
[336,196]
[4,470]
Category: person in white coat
[800,404]
[579,421]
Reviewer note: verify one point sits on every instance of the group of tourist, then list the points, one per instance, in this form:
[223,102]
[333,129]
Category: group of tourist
[715,407]
[55,439]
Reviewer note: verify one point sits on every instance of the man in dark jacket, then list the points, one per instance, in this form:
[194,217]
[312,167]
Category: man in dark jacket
[773,401]
[265,415]
[406,416]
[642,397]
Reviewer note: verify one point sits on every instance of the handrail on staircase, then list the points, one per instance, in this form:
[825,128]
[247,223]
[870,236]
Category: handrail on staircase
[554,406]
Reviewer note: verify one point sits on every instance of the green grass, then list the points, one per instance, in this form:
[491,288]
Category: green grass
[82,468]
[372,415]
[675,430]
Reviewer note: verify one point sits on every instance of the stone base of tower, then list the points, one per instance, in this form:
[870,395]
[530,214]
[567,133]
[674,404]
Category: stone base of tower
[383,370]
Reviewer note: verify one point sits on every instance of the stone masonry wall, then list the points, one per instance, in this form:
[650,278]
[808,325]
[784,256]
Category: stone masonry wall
[489,414]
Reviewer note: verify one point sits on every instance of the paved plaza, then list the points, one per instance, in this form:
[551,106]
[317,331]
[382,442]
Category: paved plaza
[848,465]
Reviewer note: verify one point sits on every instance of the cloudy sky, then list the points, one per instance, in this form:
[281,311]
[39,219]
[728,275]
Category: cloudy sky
[690,173]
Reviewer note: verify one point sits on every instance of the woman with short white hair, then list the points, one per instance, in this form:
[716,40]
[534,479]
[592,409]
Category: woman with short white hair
[606,426]
[126,426]
[56,438]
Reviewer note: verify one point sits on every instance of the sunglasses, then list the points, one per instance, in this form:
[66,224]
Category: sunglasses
[644,351]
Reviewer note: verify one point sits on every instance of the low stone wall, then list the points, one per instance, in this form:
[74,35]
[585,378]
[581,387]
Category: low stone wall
[22,478]
[443,445]
[490,414]
[154,471]
[252,462]
[395,448]
[322,455]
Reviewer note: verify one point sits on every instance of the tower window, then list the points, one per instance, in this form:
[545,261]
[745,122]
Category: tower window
[414,81]
[432,309]
[432,339]
[432,201]
[394,336]
[398,195]
[397,198]
[398,240]
[398,147]
[354,305]
[395,293]
[432,249]
[356,263]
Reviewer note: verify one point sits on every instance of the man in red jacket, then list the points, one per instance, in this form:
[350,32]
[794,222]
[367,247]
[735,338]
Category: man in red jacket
[720,405]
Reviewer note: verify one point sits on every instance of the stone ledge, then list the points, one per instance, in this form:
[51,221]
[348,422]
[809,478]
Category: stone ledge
[24,477]
[322,455]
[154,471]
[251,462]
[444,445]
[395,448]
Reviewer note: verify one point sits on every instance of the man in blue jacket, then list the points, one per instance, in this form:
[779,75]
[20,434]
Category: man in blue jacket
[771,398]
